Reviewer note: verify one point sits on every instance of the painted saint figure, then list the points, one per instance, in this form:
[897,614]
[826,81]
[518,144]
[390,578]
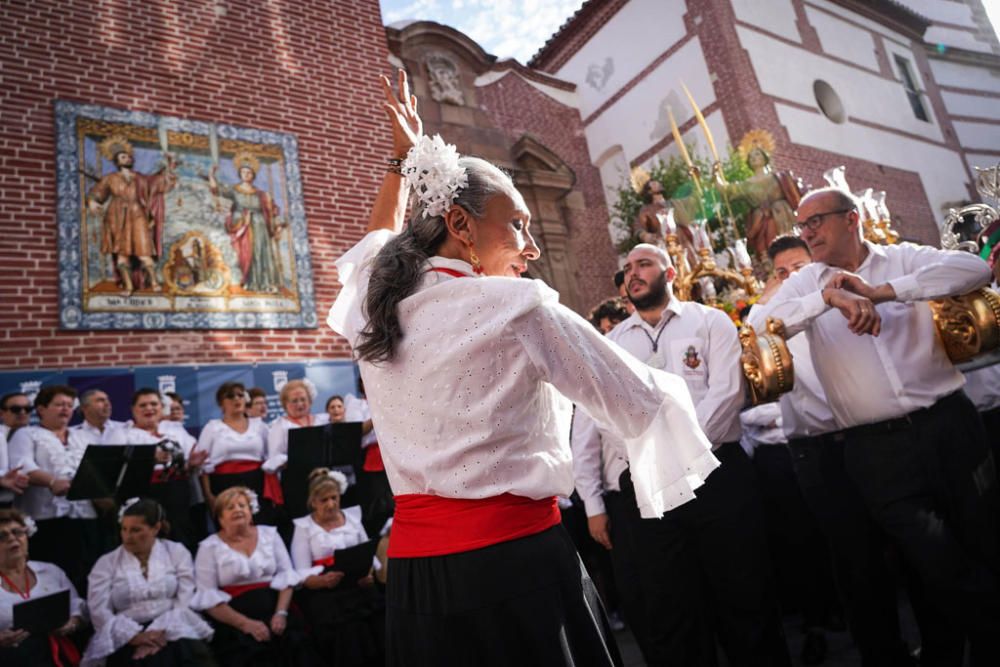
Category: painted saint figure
[253,226]
[132,223]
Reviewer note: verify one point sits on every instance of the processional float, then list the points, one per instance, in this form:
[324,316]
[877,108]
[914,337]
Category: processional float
[968,325]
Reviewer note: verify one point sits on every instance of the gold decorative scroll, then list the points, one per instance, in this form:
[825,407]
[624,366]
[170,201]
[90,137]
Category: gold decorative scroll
[767,363]
[968,325]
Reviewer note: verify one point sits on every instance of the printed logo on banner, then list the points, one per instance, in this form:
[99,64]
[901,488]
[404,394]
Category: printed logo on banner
[30,389]
[280,379]
[166,383]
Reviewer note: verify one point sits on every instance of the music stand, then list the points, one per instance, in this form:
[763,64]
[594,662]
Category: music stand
[335,446]
[113,471]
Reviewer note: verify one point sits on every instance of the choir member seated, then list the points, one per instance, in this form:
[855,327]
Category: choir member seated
[138,598]
[346,616]
[21,579]
[244,579]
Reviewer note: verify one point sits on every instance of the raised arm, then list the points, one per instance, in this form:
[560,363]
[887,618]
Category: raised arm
[390,204]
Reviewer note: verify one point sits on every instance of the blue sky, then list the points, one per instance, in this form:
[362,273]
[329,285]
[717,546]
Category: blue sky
[505,28]
[513,28]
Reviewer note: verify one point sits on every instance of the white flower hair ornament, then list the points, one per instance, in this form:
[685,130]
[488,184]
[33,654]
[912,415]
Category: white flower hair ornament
[125,505]
[310,389]
[431,168]
[252,499]
[340,478]
[30,526]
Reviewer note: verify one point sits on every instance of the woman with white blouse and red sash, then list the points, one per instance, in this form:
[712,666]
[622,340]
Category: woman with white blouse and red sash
[244,580]
[480,572]
[346,617]
[237,449]
[22,579]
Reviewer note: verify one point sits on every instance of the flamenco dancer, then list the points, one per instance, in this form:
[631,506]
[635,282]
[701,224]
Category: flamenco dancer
[480,570]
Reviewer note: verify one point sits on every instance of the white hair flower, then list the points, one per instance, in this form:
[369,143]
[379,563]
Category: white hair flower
[340,478]
[252,500]
[310,389]
[30,525]
[125,505]
[431,168]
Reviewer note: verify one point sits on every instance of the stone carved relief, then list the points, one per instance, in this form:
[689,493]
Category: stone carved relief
[598,75]
[445,84]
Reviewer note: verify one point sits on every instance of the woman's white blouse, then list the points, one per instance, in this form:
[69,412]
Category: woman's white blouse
[223,443]
[475,402]
[122,601]
[311,542]
[277,439]
[217,565]
[51,579]
[37,448]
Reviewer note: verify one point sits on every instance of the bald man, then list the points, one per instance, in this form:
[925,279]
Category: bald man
[703,568]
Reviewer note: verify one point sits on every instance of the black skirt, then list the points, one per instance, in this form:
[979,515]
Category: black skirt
[348,624]
[528,601]
[233,648]
[180,653]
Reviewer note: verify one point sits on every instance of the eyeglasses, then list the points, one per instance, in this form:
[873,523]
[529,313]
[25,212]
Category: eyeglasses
[17,533]
[19,409]
[813,222]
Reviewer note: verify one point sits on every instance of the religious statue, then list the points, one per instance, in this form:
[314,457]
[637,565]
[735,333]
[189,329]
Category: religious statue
[774,195]
[253,226]
[132,222]
[444,81]
[655,221]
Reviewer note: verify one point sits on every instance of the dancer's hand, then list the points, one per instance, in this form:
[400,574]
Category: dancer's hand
[401,109]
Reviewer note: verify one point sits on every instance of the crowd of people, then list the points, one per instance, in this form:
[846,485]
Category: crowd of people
[703,520]
[207,567]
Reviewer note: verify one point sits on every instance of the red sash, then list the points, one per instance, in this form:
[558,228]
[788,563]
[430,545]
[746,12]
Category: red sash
[272,486]
[63,651]
[426,525]
[373,459]
[325,562]
[239,589]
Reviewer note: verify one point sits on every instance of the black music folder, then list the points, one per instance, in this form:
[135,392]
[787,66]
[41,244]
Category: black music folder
[42,615]
[113,471]
[335,446]
[355,562]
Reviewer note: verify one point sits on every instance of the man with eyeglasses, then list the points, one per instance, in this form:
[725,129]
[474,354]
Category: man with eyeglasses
[16,411]
[913,444]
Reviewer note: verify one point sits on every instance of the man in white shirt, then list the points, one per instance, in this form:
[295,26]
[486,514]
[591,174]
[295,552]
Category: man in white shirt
[693,589]
[817,458]
[914,445]
[97,426]
[15,409]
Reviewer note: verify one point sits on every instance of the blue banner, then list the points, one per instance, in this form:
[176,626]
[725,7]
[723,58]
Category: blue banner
[196,384]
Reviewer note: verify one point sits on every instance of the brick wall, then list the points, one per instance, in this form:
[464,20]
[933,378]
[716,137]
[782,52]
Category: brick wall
[517,108]
[307,67]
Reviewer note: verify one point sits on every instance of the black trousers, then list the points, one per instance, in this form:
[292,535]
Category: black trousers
[800,552]
[866,583]
[622,514]
[706,575]
[929,481]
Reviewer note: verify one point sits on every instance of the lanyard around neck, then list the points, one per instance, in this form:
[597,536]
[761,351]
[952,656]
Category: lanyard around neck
[655,342]
[26,593]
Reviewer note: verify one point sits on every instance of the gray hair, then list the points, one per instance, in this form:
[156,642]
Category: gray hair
[89,394]
[398,267]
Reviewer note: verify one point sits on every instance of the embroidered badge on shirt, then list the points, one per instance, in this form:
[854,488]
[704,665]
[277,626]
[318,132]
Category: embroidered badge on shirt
[691,359]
